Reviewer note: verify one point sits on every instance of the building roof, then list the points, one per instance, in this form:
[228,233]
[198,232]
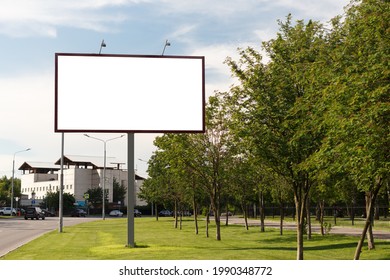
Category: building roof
[88,161]
[85,161]
[39,167]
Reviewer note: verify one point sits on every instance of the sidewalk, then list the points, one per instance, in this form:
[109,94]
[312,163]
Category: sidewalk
[379,234]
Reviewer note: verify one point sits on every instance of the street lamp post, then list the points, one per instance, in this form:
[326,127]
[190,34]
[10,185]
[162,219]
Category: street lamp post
[104,169]
[12,179]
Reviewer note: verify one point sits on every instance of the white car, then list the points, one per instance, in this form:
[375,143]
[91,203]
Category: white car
[116,213]
[7,211]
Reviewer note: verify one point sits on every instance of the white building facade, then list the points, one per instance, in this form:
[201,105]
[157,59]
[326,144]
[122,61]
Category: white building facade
[81,173]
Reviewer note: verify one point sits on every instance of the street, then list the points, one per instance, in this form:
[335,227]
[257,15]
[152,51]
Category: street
[18,231]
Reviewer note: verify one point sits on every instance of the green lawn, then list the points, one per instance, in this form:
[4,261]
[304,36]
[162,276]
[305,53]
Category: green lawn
[382,224]
[105,240]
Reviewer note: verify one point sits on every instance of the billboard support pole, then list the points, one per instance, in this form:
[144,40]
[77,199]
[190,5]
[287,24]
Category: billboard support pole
[61,203]
[130,190]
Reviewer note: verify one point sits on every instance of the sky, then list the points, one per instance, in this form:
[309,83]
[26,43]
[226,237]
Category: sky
[32,31]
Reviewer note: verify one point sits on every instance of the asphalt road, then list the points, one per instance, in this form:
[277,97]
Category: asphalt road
[18,231]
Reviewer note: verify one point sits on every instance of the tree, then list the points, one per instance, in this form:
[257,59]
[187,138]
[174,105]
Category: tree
[5,189]
[96,195]
[211,156]
[118,191]
[197,160]
[357,101]
[52,201]
[274,102]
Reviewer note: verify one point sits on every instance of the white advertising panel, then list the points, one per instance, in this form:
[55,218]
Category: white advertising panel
[129,93]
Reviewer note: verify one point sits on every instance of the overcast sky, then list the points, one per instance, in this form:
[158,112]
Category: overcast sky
[32,31]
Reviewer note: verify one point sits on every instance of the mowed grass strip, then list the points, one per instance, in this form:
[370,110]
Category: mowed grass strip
[159,240]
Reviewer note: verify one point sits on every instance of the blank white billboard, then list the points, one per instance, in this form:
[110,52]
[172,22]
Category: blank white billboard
[129,93]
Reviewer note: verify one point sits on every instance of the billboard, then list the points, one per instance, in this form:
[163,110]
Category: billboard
[129,93]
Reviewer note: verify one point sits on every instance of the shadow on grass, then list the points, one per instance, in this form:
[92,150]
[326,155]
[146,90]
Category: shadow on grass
[263,248]
[332,246]
[138,246]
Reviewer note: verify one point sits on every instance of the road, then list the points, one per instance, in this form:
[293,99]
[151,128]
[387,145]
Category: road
[17,231]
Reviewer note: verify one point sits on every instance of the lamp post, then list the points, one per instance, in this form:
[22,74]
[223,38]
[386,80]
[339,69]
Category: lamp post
[167,44]
[12,179]
[104,168]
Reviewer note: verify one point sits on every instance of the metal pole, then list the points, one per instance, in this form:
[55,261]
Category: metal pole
[12,185]
[130,190]
[61,184]
[12,179]
[104,170]
[104,183]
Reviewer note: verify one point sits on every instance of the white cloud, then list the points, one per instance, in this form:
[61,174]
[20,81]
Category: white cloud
[24,18]
[216,8]
[183,33]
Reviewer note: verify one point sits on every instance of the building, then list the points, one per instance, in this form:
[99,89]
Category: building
[80,174]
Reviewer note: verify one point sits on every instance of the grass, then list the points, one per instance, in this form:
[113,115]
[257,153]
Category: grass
[383,224]
[105,240]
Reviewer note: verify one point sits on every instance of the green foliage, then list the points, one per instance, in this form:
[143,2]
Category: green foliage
[96,196]
[5,190]
[51,201]
[118,191]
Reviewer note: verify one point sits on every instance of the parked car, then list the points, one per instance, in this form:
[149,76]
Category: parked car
[34,213]
[47,213]
[116,213]
[7,211]
[165,213]
[78,213]
[228,213]
[137,213]
[186,213]
[183,213]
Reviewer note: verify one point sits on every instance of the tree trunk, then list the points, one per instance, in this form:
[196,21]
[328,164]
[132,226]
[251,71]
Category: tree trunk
[262,211]
[322,210]
[387,199]
[175,213]
[208,222]
[216,206]
[156,212]
[181,220]
[195,208]
[217,219]
[373,195]
[376,212]
[370,214]
[254,211]
[281,217]
[245,211]
[308,224]
[227,216]
[301,191]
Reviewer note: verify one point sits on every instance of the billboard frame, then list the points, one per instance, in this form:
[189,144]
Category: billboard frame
[88,130]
